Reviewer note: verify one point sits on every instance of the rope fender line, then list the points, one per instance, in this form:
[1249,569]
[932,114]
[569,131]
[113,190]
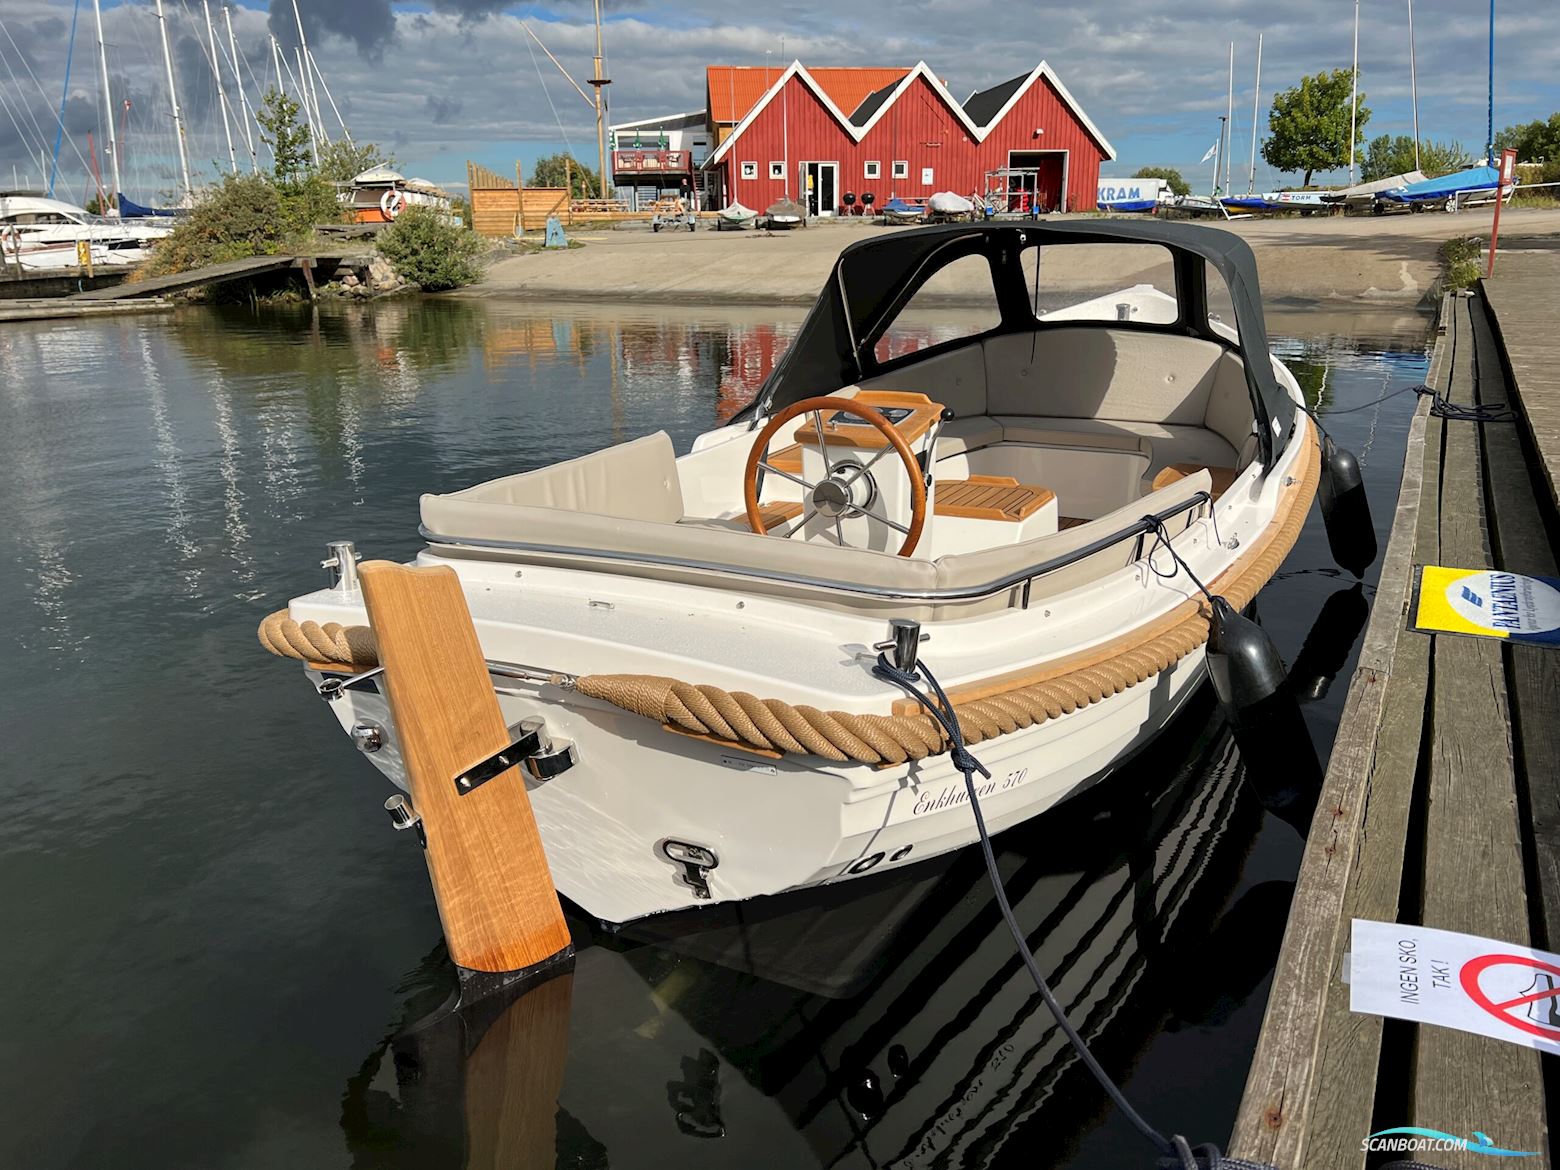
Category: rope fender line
[744,720]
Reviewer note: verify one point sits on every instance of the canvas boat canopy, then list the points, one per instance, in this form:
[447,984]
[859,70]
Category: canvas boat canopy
[1376,187]
[873,279]
[1434,190]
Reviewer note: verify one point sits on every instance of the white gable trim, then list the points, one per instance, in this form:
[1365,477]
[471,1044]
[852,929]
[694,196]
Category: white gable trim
[921,70]
[1044,70]
[795,69]
[646,123]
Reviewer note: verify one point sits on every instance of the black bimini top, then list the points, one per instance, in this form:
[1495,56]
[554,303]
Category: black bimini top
[872,280]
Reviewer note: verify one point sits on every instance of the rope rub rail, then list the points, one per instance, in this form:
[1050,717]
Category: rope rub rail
[744,721]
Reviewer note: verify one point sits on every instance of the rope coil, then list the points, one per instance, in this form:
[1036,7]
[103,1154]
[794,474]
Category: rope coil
[746,721]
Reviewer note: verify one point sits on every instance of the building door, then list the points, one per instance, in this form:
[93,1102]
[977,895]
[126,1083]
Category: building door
[820,185]
[1046,185]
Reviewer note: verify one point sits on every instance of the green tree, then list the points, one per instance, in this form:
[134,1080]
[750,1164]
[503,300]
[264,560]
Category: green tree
[1309,125]
[1536,141]
[429,252]
[342,161]
[1388,155]
[550,171]
[1170,175]
[281,131]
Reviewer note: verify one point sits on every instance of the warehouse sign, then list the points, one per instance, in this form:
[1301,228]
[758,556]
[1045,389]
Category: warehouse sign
[1487,603]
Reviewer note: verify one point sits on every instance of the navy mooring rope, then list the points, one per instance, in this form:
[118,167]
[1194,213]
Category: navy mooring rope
[1176,1152]
[1440,407]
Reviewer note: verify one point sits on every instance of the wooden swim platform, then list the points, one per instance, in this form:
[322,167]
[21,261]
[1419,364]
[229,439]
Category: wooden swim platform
[1441,803]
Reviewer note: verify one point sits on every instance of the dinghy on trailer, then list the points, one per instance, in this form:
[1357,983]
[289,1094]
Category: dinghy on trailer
[685,648]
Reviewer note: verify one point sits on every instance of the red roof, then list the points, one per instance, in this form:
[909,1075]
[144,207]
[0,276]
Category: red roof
[736,89]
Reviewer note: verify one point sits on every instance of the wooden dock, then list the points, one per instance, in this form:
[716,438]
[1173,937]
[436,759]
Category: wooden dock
[43,309]
[1441,803]
[152,286]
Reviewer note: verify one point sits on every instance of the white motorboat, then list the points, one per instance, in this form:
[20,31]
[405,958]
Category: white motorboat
[690,644]
[42,234]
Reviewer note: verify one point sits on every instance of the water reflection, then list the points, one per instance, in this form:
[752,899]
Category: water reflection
[890,1025]
[170,479]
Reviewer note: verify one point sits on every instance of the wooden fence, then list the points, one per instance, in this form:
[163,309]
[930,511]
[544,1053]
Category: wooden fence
[500,206]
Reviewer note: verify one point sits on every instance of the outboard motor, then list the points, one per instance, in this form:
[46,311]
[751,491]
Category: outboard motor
[1345,511]
[1248,676]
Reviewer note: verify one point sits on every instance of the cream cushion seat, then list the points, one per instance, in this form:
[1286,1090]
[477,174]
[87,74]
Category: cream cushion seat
[617,506]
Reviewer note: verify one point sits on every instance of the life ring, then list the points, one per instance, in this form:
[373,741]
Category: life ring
[391,203]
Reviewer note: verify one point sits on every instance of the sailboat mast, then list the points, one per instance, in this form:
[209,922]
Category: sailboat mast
[1229,119]
[59,132]
[320,75]
[1413,81]
[303,90]
[243,97]
[311,103]
[216,72]
[1354,89]
[1489,147]
[1256,100]
[108,103]
[276,64]
[597,82]
[173,101]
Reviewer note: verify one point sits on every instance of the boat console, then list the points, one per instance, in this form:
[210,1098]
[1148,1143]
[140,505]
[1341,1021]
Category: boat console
[862,471]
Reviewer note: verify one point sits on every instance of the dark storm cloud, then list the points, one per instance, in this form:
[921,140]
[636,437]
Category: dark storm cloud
[197,90]
[443,110]
[368,24]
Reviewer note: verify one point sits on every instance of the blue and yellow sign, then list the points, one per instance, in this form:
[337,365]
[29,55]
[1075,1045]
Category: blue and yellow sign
[1487,603]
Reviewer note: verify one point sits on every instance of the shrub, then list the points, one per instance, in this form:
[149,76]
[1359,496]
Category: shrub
[246,215]
[429,252]
[308,202]
[241,217]
[1460,267]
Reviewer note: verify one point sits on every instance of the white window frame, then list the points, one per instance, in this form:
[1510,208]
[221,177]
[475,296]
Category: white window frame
[777,170]
[872,169]
[901,168]
[750,169]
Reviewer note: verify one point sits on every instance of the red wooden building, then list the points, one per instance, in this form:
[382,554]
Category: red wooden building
[907,138]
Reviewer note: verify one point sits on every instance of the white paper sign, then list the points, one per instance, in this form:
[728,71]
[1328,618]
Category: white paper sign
[1460,981]
[926,176]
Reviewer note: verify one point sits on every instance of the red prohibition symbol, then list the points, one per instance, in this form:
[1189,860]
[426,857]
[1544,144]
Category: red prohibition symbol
[1513,1011]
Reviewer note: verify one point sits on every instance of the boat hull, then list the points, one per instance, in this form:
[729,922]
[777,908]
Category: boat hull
[781,824]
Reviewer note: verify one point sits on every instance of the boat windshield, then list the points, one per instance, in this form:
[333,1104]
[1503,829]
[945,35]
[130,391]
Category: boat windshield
[1105,281]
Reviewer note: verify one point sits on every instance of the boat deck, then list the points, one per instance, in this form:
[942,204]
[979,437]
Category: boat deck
[1441,804]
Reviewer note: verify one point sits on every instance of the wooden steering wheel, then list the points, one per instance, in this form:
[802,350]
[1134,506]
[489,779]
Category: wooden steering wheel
[848,489]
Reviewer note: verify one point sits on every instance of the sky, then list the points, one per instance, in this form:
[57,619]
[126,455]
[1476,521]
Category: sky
[441,81]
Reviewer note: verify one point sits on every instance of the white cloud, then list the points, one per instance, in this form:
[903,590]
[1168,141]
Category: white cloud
[445,80]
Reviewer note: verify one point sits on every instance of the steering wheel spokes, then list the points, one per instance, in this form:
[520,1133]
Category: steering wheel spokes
[848,489]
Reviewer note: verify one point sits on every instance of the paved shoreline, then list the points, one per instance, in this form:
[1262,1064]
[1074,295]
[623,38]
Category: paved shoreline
[1367,260]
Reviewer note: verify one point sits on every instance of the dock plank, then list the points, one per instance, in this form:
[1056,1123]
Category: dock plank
[1312,1080]
[1522,545]
[51,308]
[228,270]
[1473,874]
[1522,299]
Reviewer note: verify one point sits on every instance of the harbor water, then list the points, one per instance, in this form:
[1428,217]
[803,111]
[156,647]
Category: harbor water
[211,934]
